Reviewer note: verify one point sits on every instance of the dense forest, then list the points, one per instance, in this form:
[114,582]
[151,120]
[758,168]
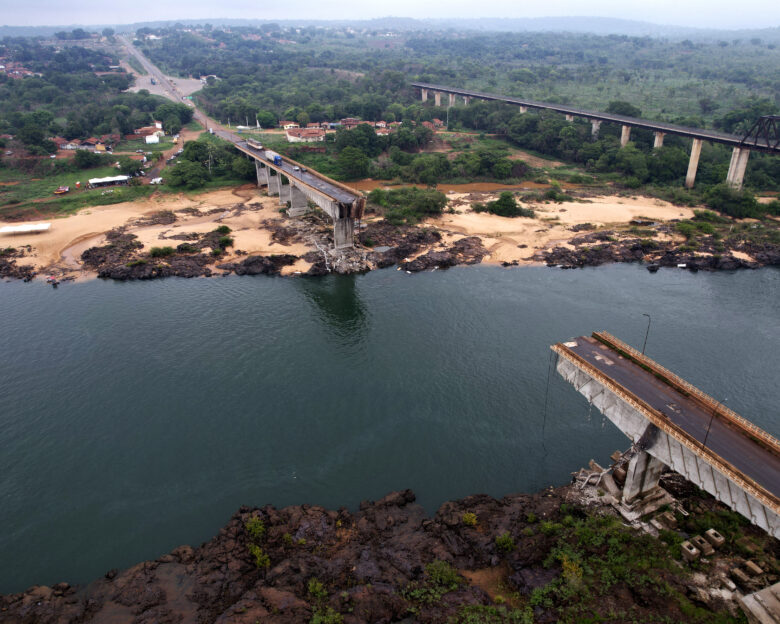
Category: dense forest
[72,93]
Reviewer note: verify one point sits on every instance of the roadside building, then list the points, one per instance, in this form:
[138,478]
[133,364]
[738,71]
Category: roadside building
[429,125]
[288,125]
[305,135]
[438,123]
[151,139]
[349,123]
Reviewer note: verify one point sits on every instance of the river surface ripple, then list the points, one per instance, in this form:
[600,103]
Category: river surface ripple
[135,417]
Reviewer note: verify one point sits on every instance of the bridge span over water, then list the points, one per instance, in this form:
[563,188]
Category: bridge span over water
[763,141]
[672,423]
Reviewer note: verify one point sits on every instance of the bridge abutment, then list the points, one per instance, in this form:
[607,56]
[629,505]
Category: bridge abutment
[658,139]
[693,163]
[737,167]
[625,135]
[642,476]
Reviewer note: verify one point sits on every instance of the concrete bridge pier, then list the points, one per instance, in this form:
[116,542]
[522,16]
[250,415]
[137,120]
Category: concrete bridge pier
[569,117]
[424,94]
[299,203]
[595,126]
[466,100]
[523,109]
[279,189]
[262,174]
[452,99]
[625,135]
[272,186]
[642,476]
[739,159]
[658,140]
[693,163]
[343,229]
[437,98]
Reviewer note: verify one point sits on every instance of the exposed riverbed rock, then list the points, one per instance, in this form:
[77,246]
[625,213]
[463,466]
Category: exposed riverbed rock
[9,267]
[260,265]
[368,566]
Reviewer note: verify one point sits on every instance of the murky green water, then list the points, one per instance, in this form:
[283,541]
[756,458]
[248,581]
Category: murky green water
[137,417]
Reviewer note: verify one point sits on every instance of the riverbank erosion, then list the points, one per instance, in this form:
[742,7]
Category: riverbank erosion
[559,555]
[243,231]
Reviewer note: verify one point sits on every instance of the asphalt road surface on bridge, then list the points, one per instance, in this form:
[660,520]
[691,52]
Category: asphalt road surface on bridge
[747,456]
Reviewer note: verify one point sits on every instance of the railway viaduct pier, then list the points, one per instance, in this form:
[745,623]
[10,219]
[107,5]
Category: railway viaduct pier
[763,136]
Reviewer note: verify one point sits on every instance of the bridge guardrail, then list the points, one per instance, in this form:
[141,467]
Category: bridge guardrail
[683,437]
[769,442]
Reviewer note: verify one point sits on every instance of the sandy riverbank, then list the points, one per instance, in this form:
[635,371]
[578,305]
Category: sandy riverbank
[519,239]
[58,250]
[253,217]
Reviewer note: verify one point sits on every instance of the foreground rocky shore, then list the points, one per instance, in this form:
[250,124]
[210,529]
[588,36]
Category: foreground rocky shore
[559,555]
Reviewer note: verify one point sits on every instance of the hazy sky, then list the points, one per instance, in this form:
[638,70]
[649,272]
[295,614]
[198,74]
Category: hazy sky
[697,13]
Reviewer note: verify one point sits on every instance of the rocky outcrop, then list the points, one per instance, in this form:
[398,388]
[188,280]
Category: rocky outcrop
[260,265]
[9,267]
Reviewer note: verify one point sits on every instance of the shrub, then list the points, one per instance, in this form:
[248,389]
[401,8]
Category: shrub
[739,204]
[262,560]
[161,252]
[326,616]
[223,229]
[217,251]
[505,543]
[470,519]
[186,248]
[225,241]
[255,528]
[316,589]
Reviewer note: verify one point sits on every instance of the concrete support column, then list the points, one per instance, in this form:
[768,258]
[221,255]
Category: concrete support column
[343,230]
[641,476]
[569,117]
[595,126]
[523,109]
[437,98]
[279,188]
[272,186]
[299,203]
[736,174]
[424,93]
[452,99]
[466,100]
[258,171]
[625,135]
[658,141]
[693,163]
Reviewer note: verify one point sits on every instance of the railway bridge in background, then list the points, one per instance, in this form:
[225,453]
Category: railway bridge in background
[764,136]
[672,423]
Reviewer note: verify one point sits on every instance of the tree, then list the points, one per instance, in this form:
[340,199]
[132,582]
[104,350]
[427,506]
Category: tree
[84,159]
[353,163]
[189,175]
[108,32]
[618,107]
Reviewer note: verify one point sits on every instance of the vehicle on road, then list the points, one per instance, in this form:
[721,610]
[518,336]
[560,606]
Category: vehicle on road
[156,181]
[296,168]
[254,144]
[273,157]
[61,190]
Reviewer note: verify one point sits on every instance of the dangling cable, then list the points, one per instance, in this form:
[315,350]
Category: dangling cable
[546,394]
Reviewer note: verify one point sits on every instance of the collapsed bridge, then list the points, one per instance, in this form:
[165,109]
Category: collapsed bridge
[672,423]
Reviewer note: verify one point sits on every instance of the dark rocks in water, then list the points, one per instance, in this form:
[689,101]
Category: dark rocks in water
[172,266]
[467,250]
[120,248]
[260,265]
[653,268]
[9,267]
[160,217]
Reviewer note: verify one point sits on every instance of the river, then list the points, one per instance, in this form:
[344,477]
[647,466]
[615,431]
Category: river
[135,417]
